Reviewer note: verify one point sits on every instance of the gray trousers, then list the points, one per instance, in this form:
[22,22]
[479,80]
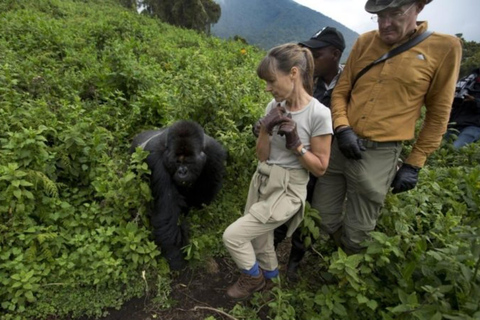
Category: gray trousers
[351,193]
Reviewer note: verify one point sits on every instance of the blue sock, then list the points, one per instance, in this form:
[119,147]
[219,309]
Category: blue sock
[270,274]
[254,271]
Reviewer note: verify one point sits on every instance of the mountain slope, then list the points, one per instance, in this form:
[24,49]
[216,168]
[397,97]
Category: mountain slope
[78,79]
[267,23]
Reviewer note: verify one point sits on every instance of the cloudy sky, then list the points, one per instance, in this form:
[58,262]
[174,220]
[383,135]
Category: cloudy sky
[445,16]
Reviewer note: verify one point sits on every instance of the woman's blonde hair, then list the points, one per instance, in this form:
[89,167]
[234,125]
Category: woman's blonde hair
[283,58]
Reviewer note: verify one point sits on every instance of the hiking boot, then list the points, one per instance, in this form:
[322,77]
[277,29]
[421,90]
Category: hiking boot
[245,286]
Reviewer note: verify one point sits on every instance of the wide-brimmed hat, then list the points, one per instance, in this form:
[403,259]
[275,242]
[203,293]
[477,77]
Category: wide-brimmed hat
[374,6]
[328,36]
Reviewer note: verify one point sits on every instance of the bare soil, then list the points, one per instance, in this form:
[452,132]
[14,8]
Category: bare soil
[198,293]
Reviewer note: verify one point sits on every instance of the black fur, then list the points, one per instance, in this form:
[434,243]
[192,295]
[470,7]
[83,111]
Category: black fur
[187,168]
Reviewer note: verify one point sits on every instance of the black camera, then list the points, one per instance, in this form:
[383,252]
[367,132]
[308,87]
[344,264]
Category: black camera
[466,86]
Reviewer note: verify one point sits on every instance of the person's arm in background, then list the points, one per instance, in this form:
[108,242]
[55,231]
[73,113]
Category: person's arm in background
[472,98]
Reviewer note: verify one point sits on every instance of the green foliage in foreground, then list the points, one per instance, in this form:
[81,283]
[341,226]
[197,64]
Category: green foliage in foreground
[79,78]
[422,262]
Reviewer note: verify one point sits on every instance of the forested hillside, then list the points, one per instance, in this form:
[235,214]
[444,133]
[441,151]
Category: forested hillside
[79,78]
[267,23]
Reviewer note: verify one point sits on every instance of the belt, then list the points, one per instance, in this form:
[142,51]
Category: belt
[376,144]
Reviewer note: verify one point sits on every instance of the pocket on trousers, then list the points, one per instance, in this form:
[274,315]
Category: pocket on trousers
[286,208]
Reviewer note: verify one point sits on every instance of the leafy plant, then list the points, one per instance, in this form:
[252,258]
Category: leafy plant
[78,79]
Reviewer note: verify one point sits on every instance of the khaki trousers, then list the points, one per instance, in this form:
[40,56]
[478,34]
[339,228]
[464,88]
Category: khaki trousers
[359,187]
[276,196]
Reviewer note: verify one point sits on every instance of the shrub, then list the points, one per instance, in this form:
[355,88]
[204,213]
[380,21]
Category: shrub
[78,79]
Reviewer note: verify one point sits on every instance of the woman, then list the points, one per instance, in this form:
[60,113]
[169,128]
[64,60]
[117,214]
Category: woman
[294,138]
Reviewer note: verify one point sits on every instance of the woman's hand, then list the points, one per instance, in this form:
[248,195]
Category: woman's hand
[273,118]
[288,128]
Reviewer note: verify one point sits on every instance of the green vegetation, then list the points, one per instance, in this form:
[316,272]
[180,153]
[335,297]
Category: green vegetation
[78,79]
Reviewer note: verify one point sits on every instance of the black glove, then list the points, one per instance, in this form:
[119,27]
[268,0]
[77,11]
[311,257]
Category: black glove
[349,143]
[273,118]
[405,179]
[288,128]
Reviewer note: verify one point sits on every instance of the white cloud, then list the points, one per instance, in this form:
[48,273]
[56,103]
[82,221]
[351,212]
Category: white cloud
[445,16]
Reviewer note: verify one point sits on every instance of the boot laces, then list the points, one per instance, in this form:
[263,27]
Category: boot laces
[245,280]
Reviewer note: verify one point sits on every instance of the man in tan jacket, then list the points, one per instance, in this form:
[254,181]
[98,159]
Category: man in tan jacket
[375,113]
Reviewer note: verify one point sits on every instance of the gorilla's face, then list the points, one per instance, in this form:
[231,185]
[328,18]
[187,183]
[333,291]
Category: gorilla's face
[187,168]
[184,156]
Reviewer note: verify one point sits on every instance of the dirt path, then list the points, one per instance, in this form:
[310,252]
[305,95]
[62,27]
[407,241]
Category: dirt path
[198,293]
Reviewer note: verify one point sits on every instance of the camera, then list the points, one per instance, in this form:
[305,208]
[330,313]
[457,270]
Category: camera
[466,85]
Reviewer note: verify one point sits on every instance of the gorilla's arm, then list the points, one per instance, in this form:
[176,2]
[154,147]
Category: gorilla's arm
[165,214]
[167,204]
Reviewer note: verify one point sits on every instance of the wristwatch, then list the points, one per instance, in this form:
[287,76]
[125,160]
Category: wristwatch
[302,152]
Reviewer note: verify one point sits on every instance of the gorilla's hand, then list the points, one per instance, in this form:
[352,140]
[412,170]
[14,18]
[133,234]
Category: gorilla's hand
[288,128]
[174,256]
[349,143]
[273,118]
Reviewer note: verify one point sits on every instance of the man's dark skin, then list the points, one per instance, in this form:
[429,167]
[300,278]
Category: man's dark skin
[326,61]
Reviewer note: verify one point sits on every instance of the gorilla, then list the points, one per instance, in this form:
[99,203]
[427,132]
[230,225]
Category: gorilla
[187,168]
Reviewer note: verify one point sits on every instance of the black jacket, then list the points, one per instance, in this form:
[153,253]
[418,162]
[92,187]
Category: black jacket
[466,112]
[321,93]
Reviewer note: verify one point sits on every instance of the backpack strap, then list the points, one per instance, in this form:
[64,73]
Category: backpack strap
[401,48]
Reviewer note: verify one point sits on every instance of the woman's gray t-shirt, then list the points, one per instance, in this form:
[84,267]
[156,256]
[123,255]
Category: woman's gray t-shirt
[312,121]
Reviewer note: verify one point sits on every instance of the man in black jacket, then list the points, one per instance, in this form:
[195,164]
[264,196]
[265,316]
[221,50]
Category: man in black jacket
[465,115]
